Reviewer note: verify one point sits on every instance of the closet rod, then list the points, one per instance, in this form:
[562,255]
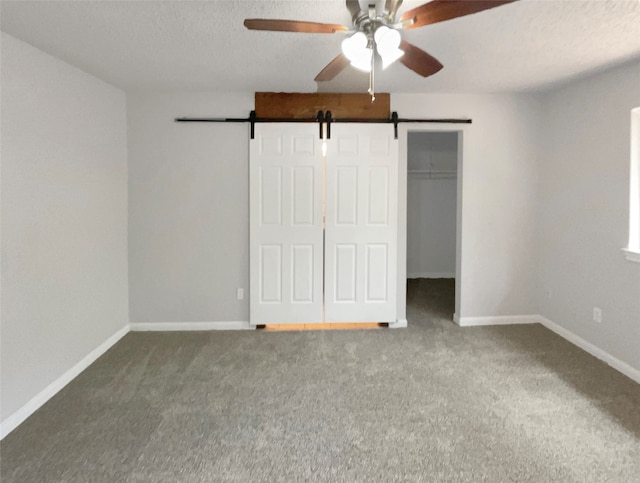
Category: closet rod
[323,117]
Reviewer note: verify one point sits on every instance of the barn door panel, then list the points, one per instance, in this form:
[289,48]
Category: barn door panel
[361,223]
[286,238]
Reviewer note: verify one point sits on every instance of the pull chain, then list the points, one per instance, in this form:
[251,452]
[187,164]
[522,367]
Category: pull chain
[372,74]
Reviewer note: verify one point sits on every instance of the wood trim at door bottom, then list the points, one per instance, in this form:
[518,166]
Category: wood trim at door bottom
[323,326]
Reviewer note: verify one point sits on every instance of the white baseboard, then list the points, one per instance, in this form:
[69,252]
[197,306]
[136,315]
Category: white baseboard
[398,324]
[431,275]
[595,351]
[179,326]
[496,320]
[13,421]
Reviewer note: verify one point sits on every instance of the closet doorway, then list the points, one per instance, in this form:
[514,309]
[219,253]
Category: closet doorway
[432,223]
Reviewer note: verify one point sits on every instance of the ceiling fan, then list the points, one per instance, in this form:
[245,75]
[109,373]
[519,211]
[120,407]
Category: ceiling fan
[379,33]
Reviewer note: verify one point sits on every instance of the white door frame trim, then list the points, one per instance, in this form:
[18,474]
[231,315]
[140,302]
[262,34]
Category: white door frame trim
[403,138]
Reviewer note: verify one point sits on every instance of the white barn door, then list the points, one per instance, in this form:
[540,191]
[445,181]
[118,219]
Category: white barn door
[361,223]
[286,238]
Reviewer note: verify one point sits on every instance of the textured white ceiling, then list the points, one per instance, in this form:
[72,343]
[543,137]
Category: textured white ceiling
[185,45]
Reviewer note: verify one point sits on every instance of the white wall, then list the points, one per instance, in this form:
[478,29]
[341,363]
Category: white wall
[583,212]
[188,208]
[188,203]
[431,227]
[431,205]
[64,219]
[498,253]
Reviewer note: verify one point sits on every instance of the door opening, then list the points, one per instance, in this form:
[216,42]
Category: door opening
[432,225]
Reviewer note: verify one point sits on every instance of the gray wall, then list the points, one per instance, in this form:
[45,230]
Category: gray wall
[188,203]
[498,196]
[188,208]
[64,219]
[583,201]
[431,205]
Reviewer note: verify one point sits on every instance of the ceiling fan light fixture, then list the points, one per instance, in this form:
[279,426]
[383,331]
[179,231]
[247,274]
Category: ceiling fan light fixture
[387,44]
[390,57]
[363,61]
[358,50]
[387,38]
[353,47]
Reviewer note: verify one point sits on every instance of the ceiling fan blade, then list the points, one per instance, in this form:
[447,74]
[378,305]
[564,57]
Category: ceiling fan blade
[293,26]
[418,60]
[391,8]
[354,9]
[441,10]
[332,69]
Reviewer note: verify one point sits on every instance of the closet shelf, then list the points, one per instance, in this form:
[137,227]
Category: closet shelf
[432,174]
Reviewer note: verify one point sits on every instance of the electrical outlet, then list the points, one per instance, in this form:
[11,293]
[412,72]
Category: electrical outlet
[240,293]
[547,292]
[597,314]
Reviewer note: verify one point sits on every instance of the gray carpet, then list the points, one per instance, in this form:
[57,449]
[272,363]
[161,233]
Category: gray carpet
[433,402]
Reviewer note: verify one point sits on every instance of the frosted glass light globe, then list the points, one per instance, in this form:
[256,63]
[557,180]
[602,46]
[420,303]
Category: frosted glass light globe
[388,43]
[363,61]
[353,47]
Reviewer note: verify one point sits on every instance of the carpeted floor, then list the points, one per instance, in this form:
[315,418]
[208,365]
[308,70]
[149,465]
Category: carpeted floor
[433,402]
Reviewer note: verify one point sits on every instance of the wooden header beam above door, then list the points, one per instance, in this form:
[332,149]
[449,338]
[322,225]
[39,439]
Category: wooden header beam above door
[288,105]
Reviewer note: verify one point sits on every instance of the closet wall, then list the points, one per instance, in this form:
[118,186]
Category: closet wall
[431,204]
